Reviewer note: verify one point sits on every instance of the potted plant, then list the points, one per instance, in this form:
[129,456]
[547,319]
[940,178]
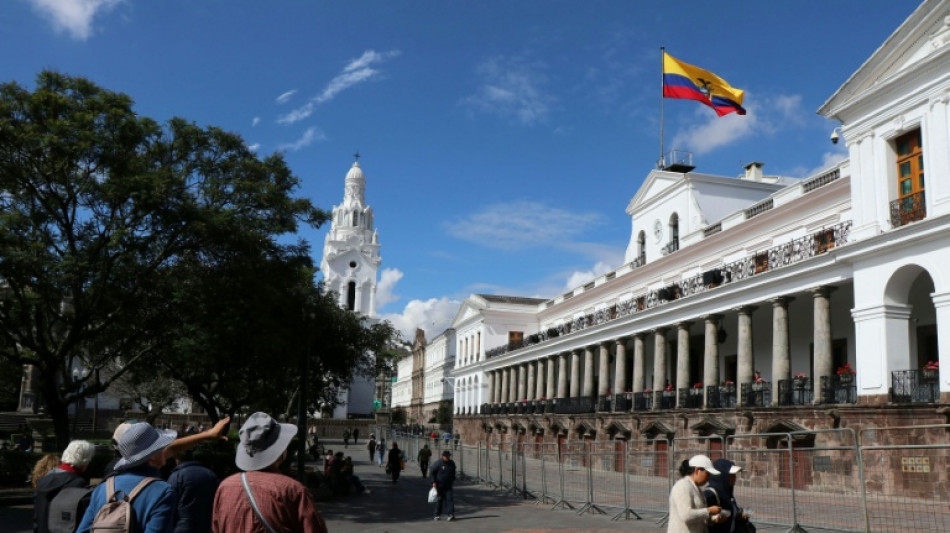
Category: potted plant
[759,384]
[846,374]
[931,371]
[799,380]
[729,386]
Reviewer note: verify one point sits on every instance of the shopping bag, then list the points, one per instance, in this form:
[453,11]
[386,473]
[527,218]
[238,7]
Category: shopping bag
[433,495]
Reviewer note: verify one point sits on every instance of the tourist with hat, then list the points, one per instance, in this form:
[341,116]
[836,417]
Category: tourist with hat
[443,479]
[261,499]
[142,449]
[719,491]
[689,512]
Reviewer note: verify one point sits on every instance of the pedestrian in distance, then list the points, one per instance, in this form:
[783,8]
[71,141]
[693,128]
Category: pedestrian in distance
[423,459]
[346,438]
[456,438]
[371,447]
[689,512]
[395,462]
[137,473]
[443,479]
[380,451]
[356,436]
[260,498]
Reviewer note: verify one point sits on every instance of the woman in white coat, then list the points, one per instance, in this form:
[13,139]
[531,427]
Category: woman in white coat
[688,510]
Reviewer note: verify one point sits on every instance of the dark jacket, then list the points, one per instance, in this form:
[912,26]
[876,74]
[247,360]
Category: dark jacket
[719,492]
[442,473]
[47,488]
[394,458]
[195,485]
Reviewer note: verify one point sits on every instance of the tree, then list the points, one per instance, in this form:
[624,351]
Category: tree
[97,205]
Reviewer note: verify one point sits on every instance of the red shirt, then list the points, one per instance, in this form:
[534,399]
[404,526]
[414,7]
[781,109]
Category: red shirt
[285,503]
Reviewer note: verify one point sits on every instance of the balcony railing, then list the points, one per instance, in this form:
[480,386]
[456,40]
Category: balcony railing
[691,398]
[642,401]
[670,247]
[908,209]
[720,397]
[915,386]
[566,406]
[757,394]
[797,391]
[774,258]
[838,388]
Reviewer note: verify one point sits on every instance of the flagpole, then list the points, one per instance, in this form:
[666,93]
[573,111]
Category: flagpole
[660,161]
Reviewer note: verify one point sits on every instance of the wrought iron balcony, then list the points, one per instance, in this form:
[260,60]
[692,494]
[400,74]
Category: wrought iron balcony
[670,247]
[908,209]
[691,398]
[642,401]
[838,388]
[757,394]
[720,397]
[915,386]
[574,405]
[623,402]
[796,391]
[665,399]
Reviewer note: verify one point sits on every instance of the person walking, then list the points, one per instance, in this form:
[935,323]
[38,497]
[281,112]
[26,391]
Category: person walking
[380,451]
[443,479]
[394,462]
[262,499]
[195,485]
[69,474]
[356,436]
[423,458]
[719,491]
[143,453]
[371,447]
[689,512]
[346,438]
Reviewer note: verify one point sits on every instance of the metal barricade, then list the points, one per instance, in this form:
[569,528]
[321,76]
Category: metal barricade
[605,476]
[647,479]
[573,475]
[907,488]
[548,469]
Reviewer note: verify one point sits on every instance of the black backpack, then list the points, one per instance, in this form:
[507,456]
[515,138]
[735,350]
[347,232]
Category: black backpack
[67,508]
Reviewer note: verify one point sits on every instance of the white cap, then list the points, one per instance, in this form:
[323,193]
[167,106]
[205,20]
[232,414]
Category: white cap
[735,469]
[701,461]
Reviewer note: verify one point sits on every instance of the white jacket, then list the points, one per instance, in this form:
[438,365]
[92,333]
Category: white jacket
[688,510]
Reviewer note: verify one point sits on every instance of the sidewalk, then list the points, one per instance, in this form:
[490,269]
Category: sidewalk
[402,508]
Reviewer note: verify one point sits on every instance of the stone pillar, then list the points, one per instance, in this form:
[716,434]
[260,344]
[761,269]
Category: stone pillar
[942,307]
[682,361]
[603,379]
[659,363]
[530,382]
[522,383]
[562,375]
[781,348]
[588,372]
[513,388]
[711,351]
[505,380]
[620,366]
[639,363]
[550,378]
[540,392]
[744,356]
[491,387]
[575,373]
[823,362]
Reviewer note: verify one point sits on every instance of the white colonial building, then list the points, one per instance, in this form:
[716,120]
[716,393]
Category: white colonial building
[350,265]
[756,291]
[439,364]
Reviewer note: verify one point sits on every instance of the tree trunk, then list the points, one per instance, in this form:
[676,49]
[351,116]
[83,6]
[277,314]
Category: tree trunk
[57,410]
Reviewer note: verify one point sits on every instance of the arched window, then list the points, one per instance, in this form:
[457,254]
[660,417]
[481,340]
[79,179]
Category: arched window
[351,296]
[642,247]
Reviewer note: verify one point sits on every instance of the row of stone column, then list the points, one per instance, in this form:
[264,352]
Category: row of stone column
[557,376]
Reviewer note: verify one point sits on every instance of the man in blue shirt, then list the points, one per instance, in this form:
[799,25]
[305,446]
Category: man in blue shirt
[443,479]
[195,485]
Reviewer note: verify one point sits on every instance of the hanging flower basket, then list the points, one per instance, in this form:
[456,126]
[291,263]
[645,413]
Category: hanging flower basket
[929,374]
[846,379]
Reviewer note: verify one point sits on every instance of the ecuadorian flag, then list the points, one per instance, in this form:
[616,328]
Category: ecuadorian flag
[682,80]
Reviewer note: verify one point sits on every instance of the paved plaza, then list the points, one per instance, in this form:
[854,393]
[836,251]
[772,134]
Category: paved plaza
[402,508]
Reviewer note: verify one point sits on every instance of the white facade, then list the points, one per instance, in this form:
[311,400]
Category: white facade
[440,361]
[729,278]
[402,388]
[350,264]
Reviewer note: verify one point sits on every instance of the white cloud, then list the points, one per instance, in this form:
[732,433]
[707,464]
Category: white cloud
[254,147]
[73,16]
[578,278]
[387,283]
[308,138]
[433,316]
[284,98]
[255,121]
[355,72]
[511,88]
[521,225]
[765,116]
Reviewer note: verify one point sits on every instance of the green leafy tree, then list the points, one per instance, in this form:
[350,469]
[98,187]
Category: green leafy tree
[97,205]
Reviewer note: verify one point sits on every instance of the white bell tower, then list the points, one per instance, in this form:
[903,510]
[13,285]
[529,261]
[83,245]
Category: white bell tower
[351,251]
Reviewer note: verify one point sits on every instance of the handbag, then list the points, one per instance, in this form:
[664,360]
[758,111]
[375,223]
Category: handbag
[388,469]
[433,495]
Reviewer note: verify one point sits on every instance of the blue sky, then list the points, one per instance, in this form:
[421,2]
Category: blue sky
[501,140]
